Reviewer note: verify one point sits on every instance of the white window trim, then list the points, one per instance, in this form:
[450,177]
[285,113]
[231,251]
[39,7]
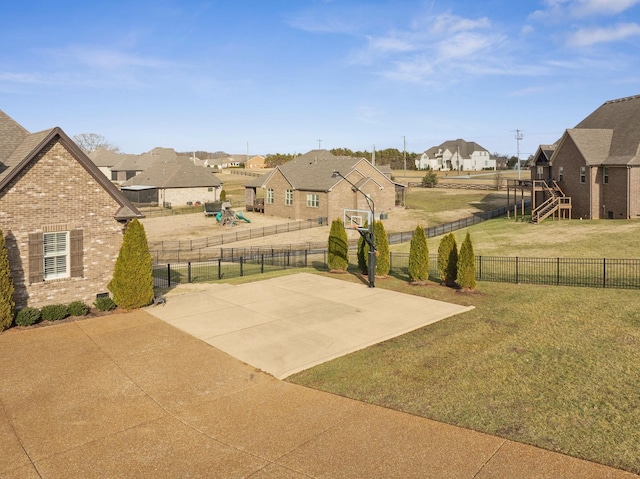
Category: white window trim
[313,200]
[270,196]
[288,197]
[57,250]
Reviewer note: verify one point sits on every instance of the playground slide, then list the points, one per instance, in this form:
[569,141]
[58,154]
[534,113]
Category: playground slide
[240,216]
[219,216]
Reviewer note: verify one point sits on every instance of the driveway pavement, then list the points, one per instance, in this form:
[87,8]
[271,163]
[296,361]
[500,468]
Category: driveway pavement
[287,324]
[132,396]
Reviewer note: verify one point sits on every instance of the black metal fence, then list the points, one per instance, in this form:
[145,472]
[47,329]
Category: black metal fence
[168,275]
[205,248]
[589,272]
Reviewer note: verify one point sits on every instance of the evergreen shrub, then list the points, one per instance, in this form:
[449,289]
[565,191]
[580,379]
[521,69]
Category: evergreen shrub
[419,256]
[54,312]
[383,260]
[448,259]
[467,264]
[78,308]
[7,303]
[338,248]
[104,303]
[27,316]
[132,282]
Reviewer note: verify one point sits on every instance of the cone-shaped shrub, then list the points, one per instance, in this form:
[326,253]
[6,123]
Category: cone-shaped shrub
[338,250]
[419,256]
[467,264]
[132,282]
[363,254]
[448,259]
[383,262]
[7,303]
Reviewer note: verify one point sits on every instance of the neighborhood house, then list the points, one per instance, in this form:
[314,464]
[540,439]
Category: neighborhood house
[456,155]
[307,188]
[63,220]
[594,167]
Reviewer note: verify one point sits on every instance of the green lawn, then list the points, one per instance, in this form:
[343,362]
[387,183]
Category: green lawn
[550,239]
[556,367]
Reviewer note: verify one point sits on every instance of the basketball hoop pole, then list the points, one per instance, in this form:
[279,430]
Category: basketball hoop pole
[368,235]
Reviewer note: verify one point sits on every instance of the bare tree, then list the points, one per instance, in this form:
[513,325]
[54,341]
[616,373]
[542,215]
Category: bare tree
[498,180]
[92,141]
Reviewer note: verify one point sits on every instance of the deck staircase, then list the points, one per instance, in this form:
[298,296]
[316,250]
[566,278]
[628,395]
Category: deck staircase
[555,202]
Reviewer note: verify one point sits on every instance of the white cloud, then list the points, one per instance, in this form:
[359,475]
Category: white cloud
[559,10]
[391,44]
[590,36]
[105,59]
[583,8]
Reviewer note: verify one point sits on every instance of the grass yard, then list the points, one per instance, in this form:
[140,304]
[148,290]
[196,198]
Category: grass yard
[556,367]
[441,205]
[549,239]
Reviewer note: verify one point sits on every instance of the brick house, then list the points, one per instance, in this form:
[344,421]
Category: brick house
[596,164]
[63,220]
[304,188]
[176,182]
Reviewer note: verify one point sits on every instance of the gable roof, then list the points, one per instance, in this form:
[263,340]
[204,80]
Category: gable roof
[11,135]
[145,160]
[108,158]
[313,171]
[465,148]
[179,173]
[622,118]
[593,144]
[31,144]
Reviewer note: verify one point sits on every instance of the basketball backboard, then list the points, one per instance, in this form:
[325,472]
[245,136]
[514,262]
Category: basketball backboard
[356,219]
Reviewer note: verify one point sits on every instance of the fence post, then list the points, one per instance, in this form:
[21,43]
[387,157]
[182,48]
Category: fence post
[516,270]
[305,257]
[262,263]
[189,272]
[168,275]
[241,268]
[219,268]
[558,272]
[480,268]
[604,272]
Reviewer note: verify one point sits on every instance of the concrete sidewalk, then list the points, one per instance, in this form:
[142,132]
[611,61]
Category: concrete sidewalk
[287,324]
[129,395]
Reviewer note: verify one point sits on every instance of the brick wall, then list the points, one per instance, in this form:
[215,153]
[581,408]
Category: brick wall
[634,194]
[279,208]
[331,205]
[613,195]
[56,193]
[580,193]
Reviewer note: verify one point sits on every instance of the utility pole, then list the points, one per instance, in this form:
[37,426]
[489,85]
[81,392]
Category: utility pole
[519,137]
[404,154]
[373,156]
[319,144]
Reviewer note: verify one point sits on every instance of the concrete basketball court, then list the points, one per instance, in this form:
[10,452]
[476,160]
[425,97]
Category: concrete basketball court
[287,324]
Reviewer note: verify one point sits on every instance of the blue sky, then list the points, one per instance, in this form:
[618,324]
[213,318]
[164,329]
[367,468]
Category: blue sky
[273,76]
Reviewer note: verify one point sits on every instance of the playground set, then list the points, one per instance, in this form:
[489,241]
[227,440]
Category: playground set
[225,215]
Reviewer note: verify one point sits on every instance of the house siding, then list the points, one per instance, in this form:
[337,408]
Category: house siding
[181,196]
[571,159]
[55,193]
[278,208]
[634,192]
[613,195]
